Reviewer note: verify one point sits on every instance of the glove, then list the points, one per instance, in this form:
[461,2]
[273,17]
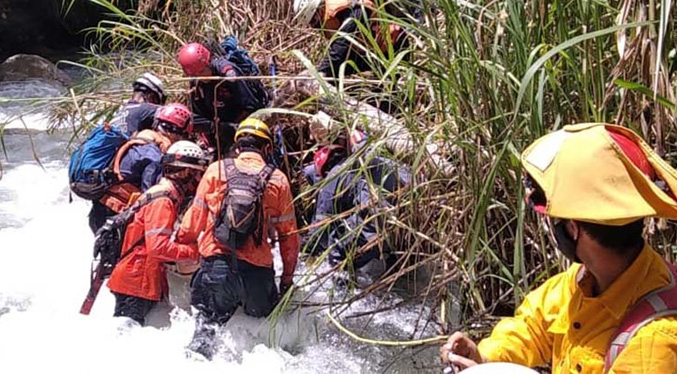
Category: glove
[284,287]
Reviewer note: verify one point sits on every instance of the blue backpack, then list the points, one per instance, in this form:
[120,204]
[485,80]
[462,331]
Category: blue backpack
[89,171]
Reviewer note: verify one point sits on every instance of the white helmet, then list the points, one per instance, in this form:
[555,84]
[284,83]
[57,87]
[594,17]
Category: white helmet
[304,10]
[185,154]
[150,82]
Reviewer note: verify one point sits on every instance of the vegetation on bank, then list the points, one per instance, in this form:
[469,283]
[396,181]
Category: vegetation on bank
[482,80]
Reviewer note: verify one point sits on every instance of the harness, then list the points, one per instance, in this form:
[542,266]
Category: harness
[656,304]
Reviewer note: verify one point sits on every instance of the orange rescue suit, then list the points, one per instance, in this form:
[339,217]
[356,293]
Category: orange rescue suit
[278,211]
[141,273]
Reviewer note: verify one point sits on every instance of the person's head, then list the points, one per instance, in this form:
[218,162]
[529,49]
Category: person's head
[174,121]
[253,135]
[596,183]
[573,238]
[327,157]
[184,163]
[309,12]
[149,88]
[195,60]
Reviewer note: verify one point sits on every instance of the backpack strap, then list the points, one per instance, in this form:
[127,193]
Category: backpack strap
[659,303]
[266,173]
[229,168]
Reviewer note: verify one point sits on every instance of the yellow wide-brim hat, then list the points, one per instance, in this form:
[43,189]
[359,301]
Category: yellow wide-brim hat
[600,173]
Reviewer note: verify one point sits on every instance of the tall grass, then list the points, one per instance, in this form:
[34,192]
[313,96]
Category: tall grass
[482,80]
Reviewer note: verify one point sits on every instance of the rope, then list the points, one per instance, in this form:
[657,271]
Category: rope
[405,343]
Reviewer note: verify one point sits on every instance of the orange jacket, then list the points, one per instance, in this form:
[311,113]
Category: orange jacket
[332,22]
[278,210]
[118,196]
[141,273]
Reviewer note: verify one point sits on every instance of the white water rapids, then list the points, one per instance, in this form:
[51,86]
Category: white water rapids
[45,254]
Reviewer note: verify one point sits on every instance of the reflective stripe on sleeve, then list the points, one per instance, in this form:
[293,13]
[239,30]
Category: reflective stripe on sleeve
[158,231]
[284,218]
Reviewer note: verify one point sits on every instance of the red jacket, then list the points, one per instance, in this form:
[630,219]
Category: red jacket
[278,210]
[141,273]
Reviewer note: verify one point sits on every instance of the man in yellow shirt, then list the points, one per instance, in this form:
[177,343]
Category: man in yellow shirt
[594,183]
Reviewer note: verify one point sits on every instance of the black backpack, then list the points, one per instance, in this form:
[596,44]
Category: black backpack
[109,238]
[241,214]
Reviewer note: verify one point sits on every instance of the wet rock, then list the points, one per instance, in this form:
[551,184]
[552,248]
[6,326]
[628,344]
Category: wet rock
[22,67]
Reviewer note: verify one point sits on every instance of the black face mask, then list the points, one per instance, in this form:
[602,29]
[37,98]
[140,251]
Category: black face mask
[565,243]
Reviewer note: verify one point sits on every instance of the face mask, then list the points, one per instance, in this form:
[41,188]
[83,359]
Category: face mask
[565,243]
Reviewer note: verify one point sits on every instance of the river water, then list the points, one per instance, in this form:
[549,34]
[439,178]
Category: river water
[45,254]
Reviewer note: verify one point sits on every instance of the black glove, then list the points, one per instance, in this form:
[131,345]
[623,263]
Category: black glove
[284,287]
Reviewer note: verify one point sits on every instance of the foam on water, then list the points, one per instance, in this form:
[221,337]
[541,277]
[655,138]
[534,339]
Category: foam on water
[45,255]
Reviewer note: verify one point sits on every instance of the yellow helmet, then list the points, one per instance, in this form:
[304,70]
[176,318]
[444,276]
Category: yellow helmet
[254,126]
[599,173]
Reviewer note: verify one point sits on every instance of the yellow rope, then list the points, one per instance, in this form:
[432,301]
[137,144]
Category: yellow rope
[343,329]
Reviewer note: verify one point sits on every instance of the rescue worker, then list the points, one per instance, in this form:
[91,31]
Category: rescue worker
[138,113]
[355,192]
[227,277]
[220,104]
[343,16]
[139,280]
[137,164]
[357,140]
[594,184]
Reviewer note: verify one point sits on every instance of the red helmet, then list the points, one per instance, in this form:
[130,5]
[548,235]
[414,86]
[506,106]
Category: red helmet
[195,60]
[323,155]
[177,115]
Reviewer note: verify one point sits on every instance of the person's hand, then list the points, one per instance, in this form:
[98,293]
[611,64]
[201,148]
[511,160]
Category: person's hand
[460,351]
[284,287]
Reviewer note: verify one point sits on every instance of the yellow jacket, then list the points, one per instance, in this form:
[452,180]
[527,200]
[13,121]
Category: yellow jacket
[559,323]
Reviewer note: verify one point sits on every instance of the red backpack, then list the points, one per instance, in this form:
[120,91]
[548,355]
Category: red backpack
[659,303]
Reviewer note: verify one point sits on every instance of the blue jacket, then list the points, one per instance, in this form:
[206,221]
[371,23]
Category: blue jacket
[141,165]
[348,187]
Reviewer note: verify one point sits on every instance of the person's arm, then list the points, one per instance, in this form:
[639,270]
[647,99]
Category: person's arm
[195,219]
[653,350]
[340,46]
[523,339]
[283,219]
[159,218]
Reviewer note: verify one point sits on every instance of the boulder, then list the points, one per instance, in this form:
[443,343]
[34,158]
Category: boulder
[21,67]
